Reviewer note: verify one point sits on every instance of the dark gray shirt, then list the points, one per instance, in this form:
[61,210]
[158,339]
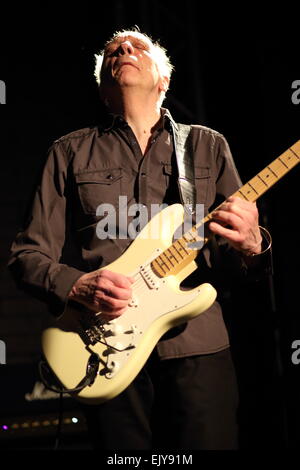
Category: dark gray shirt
[96,165]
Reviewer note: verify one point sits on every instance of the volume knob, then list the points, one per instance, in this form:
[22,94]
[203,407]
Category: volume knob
[112,368]
[116,329]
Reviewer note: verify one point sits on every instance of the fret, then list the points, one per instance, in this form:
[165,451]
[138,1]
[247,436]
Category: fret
[188,237]
[178,251]
[160,267]
[262,180]
[243,195]
[175,250]
[183,247]
[282,162]
[297,156]
[269,176]
[273,170]
[296,149]
[194,229]
[162,264]
[168,260]
[252,187]
[248,192]
[208,217]
[290,158]
[285,162]
[279,168]
[197,237]
[193,238]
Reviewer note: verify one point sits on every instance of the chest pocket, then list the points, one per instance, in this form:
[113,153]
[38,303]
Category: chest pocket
[99,187]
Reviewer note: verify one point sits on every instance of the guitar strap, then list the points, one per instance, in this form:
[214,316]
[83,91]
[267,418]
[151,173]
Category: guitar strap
[185,164]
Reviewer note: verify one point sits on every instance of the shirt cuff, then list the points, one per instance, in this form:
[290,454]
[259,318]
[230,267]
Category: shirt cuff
[266,243]
[260,265]
[61,285]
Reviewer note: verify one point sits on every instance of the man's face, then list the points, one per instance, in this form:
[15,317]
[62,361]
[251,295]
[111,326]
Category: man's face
[130,61]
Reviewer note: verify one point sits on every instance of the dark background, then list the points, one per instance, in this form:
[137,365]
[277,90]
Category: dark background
[231,75]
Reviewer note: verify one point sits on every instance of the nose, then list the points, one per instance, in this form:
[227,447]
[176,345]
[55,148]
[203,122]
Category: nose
[126,47]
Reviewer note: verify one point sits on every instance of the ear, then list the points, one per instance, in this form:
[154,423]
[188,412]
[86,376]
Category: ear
[164,84]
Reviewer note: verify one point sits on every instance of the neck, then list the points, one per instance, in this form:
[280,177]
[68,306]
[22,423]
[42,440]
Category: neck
[142,113]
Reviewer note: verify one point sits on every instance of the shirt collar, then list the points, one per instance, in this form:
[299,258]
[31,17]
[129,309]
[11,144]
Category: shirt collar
[168,119]
[111,121]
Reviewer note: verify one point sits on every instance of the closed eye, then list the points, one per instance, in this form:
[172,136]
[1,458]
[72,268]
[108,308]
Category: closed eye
[141,45]
[110,52]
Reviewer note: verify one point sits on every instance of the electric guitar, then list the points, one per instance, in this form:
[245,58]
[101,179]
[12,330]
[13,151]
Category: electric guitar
[95,360]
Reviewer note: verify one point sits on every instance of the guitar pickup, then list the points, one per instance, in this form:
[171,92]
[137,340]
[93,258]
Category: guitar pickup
[149,277]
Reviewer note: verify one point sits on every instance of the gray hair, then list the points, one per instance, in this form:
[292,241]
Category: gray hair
[161,58]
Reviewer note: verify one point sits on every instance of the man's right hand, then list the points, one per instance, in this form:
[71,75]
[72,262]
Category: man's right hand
[104,291]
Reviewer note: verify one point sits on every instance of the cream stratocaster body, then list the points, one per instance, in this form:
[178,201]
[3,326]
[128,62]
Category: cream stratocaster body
[123,345]
[118,349]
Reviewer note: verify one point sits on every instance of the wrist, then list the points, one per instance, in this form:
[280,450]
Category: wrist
[262,246]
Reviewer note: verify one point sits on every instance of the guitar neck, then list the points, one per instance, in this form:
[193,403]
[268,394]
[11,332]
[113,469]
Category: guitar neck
[178,255]
[266,178]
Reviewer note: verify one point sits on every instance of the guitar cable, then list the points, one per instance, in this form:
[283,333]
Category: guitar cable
[59,424]
[91,372]
[88,380]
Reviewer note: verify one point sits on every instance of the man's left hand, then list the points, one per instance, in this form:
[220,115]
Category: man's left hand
[237,221]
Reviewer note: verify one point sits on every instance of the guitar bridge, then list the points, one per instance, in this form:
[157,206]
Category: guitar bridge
[95,334]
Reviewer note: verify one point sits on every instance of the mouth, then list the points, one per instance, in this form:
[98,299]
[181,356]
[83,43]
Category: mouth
[120,65]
